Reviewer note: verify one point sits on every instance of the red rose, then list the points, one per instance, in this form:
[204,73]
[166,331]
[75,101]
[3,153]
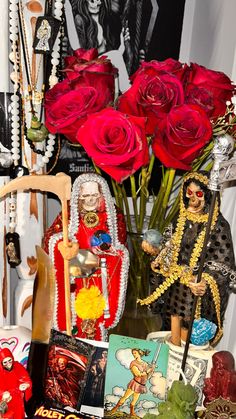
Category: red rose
[68,113]
[152,96]
[116,142]
[83,60]
[69,102]
[169,65]
[181,136]
[53,94]
[208,88]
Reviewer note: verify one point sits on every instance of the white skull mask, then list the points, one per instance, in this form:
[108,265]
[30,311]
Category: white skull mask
[196,198]
[7,363]
[94,6]
[89,197]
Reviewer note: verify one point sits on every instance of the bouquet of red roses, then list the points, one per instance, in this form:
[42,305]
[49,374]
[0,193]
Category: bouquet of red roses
[169,115]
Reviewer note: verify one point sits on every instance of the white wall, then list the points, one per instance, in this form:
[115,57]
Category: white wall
[209,35]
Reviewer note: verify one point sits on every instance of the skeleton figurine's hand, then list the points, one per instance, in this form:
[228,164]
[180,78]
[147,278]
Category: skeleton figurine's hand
[70,251]
[198,288]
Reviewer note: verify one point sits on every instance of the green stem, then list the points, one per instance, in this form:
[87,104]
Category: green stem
[164,206]
[127,211]
[96,168]
[114,187]
[134,199]
[143,198]
[120,197]
[172,213]
[144,194]
[151,164]
[158,201]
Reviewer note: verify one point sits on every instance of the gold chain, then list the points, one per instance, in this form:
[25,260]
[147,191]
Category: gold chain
[175,271]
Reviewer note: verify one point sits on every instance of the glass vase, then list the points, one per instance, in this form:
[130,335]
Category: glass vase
[137,321]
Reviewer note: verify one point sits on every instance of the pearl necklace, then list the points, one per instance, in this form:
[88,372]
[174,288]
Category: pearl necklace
[43,157]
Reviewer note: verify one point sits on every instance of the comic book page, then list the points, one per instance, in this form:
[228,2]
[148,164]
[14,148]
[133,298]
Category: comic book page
[135,377]
[68,364]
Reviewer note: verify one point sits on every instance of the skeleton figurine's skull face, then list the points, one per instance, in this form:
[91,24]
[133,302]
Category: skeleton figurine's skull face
[196,198]
[94,6]
[7,363]
[89,197]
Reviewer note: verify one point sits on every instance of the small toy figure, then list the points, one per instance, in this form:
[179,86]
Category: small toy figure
[15,385]
[222,380]
[176,265]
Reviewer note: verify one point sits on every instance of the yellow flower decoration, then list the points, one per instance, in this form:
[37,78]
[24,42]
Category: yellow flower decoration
[89,303]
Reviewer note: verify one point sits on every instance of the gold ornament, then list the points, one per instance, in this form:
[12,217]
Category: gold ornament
[91,219]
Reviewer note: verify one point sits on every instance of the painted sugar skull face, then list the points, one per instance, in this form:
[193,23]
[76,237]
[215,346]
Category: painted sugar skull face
[196,198]
[89,197]
[94,6]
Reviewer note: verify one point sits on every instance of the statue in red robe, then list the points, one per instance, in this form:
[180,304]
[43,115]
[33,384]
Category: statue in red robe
[97,300]
[222,380]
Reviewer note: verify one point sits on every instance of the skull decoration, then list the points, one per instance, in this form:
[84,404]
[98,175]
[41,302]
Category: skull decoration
[89,197]
[94,6]
[196,198]
[7,363]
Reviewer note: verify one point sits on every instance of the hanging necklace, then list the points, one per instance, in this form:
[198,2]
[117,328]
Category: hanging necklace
[37,129]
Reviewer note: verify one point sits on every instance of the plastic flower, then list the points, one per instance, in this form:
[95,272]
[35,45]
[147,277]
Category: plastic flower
[89,303]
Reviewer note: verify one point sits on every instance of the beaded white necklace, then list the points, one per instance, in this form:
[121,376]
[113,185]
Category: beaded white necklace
[15,77]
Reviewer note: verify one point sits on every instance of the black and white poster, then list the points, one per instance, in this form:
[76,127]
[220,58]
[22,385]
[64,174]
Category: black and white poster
[127,31]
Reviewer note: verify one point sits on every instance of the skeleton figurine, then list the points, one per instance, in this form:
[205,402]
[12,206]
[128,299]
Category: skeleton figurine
[15,386]
[177,263]
[95,227]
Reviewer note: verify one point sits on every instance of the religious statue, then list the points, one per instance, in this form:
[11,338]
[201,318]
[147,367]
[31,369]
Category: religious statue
[15,386]
[98,294]
[222,380]
[43,35]
[177,263]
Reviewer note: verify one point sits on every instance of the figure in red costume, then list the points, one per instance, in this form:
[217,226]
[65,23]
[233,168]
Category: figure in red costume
[95,225]
[222,380]
[15,385]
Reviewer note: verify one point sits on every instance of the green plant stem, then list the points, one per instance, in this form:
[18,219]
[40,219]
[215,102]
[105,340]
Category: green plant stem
[144,194]
[120,196]
[126,204]
[114,187]
[143,198]
[158,201]
[134,199]
[170,181]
